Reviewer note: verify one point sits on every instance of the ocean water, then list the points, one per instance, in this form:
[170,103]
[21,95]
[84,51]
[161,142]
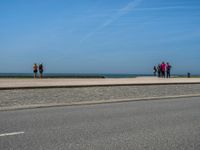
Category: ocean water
[70,75]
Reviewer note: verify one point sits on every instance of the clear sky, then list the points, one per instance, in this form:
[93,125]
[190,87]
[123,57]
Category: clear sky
[99,36]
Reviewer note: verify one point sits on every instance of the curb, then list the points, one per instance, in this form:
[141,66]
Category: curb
[35,106]
[96,85]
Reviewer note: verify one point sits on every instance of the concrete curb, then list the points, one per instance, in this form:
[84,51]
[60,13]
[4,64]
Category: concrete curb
[35,106]
[95,85]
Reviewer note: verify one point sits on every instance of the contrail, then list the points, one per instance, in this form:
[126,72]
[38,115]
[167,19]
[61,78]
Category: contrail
[121,12]
[165,8]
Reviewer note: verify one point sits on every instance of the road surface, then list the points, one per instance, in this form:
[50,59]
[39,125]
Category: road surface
[158,125]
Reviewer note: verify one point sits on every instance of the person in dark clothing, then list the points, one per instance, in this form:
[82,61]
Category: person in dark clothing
[159,70]
[155,70]
[168,68]
[35,70]
[41,70]
[188,75]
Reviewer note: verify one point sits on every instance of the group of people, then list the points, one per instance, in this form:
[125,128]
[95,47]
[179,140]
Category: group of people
[37,68]
[163,70]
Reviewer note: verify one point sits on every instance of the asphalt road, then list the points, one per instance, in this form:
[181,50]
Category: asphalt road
[153,125]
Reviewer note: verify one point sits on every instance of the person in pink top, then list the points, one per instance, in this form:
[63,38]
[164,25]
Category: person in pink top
[163,68]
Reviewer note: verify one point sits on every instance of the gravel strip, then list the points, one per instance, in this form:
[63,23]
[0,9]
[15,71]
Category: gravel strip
[10,98]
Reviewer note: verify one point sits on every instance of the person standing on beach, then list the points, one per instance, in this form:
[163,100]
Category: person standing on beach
[159,70]
[41,70]
[168,68]
[155,70]
[163,68]
[35,70]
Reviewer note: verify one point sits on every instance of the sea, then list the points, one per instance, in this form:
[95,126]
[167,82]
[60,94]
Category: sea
[71,75]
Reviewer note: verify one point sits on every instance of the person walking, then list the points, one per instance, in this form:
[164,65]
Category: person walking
[35,70]
[41,70]
[168,68]
[155,70]
[163,68]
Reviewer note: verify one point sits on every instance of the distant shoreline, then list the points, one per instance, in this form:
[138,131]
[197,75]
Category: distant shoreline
[84,75]
[70,75]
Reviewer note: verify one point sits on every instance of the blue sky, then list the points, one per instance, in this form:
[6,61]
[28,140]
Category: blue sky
[99,36]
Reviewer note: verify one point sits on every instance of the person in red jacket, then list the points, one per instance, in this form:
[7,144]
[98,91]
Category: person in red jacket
[163,68]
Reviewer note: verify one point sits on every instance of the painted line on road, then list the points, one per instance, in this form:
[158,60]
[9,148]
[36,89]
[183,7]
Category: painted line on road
[10,134]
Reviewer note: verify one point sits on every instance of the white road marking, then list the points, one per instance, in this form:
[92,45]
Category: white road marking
[9,134]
